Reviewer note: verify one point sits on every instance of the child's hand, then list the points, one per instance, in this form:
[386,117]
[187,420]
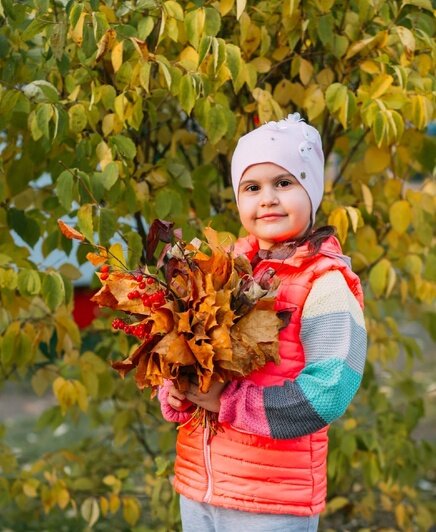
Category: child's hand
[177,400]
[210,400]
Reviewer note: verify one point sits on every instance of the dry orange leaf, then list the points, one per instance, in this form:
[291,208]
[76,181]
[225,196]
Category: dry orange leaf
[70,232]
[215,323]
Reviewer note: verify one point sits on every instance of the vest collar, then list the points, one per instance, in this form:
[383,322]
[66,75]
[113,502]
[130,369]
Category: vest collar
[249,246]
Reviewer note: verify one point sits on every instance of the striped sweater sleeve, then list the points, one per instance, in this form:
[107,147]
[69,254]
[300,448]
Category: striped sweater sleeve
[334,340]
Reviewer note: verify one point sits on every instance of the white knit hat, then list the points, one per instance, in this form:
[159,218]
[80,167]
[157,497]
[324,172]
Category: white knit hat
[289,143]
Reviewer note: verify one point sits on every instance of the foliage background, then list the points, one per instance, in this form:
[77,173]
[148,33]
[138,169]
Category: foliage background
[115,113]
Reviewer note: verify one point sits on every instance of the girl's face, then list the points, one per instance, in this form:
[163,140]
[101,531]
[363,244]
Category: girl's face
[273,206]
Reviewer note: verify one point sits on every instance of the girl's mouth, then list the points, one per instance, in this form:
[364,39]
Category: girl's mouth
[270,216]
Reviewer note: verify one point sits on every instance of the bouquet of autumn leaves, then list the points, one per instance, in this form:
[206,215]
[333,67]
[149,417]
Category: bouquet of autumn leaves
[200,317]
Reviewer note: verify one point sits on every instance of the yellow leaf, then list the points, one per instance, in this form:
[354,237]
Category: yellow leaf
[104,506]
[305,71]
[380,85]
[189,58]
[117,56]
[336,504]
[30,487]
[376,159]
[116,254]
[108,12]
[225,6]
[370,66]
[81,395]
[90,511]
[240,7]
[338,218]
[77,31]
[392,279]
[367,198]
[350,424]
[113,482]
[407,38]
[325,77]
[283,92]
[355,217]
[261,64]
[378,277]
[104,154]
[400,216]
[63,498]
[114,503]
[131,510]
[314,102]
[401,516]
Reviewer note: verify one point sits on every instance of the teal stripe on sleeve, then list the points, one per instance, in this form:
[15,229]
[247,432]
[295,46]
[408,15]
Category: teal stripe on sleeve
[329,387]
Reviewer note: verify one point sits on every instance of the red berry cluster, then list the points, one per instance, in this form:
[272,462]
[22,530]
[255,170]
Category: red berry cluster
[141,330]
[153,299]
[104,272]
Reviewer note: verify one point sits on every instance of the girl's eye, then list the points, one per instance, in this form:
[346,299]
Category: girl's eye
[252,188]
[284,183]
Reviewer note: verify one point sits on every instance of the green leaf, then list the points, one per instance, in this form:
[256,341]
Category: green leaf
[425,4]
[187,93]
[212,22]
[174,9]
[110,175]
[165,70]
[145,27]
[216,124]
[181,174]
[144,76]
[25,226]
[107,225]
[53,290]
[325,29]
[340,45]
[29,282]
[233,59]
[379,128]
[124,145]
[134,247]
[334,96]
[36,26]
[16,346]
[85,223]
[64,189]
[41,91]
[77,116]
[168,203]
[194,25]
[8,279]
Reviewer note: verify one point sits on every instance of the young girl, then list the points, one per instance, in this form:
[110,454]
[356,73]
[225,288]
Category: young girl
[265,470]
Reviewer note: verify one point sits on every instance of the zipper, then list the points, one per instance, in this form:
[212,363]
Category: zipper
[208,464]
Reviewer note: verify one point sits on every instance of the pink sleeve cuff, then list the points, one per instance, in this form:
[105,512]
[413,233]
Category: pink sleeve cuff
[168,411]
[242,407]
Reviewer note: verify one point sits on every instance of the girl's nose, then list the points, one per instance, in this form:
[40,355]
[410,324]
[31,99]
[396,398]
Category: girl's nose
[268,197]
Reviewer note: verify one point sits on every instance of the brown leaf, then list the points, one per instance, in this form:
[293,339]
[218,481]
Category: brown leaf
[105,43]
[104,298]
[174,350]
[203,352]
[141,47]
[70,232]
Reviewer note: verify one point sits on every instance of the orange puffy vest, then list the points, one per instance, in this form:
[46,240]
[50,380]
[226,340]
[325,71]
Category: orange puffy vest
[253,473]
